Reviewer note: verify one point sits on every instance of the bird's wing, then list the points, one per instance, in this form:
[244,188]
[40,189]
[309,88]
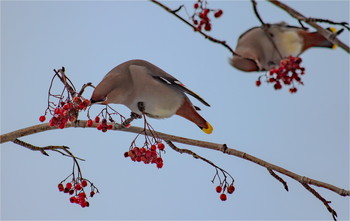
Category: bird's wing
[178,85]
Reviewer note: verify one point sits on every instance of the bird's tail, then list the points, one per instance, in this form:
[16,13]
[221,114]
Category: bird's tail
[315,39]
[187,111]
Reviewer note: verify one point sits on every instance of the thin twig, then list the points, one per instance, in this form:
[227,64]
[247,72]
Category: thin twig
[324,201]
[223,182]
[66,81]
[89,84]
[321,20]
[254,3]
[43,150]
[210,38]
[278,178]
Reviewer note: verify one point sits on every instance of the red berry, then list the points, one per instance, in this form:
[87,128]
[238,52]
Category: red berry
[195,5]
[148,154]
[153,147]
[161,146]
[272,80]
[218,13]
[42,118]
[159,165]
[73,199]
[83,204]
[89,123]
[223,197]
[77,100]
[293,90]
[230,189]
[207,27]
[84,183]
[277,86]
[126,154]
[77,186]
[86,102]
[71,192]
[218,189]
[82,195]
[92,193]
[57,111]
[97,119]
[110,127]
[258,83]
[62,125]
[69,186]
[60,187]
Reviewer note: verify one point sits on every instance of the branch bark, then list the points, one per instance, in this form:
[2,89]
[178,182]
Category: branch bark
[208,145]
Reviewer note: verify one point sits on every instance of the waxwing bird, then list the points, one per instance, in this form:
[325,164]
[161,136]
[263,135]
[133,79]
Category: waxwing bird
[261,50]
[146,89]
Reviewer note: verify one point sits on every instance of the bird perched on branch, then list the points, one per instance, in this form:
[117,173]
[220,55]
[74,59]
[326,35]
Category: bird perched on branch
[146,89]
[262,48]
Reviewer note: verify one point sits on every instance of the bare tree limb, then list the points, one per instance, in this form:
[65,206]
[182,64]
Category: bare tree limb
[325,33]
[208,145]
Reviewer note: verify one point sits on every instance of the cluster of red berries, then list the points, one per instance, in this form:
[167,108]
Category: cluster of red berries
[103,126]
[77,189]
[200,18]
[147,155]
[230,189]
[288,71]
[66,111]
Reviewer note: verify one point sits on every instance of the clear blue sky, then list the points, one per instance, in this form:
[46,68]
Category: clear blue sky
[307,132]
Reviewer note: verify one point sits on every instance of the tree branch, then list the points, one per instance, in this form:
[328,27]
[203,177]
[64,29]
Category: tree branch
[208,145]
[325,33]
[210,38]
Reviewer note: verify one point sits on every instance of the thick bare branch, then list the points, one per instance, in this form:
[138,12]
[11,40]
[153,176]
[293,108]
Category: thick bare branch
[325,33]
[208,145]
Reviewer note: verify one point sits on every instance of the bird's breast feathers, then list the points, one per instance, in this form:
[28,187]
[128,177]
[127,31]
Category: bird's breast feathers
[289,43]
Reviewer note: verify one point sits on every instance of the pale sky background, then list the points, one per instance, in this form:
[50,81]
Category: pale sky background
[307,132]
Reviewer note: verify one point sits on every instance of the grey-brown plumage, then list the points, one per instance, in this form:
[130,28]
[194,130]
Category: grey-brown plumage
[137,83]
[259,52]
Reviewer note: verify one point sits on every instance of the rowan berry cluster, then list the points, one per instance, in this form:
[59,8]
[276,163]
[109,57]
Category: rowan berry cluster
[200,17]
[219,189]
[103,126]
[66,111]
[76,189]
[148,155]
[288,72]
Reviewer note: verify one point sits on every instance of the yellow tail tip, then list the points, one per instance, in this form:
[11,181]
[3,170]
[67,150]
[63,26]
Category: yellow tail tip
[332,29]
[209,129]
